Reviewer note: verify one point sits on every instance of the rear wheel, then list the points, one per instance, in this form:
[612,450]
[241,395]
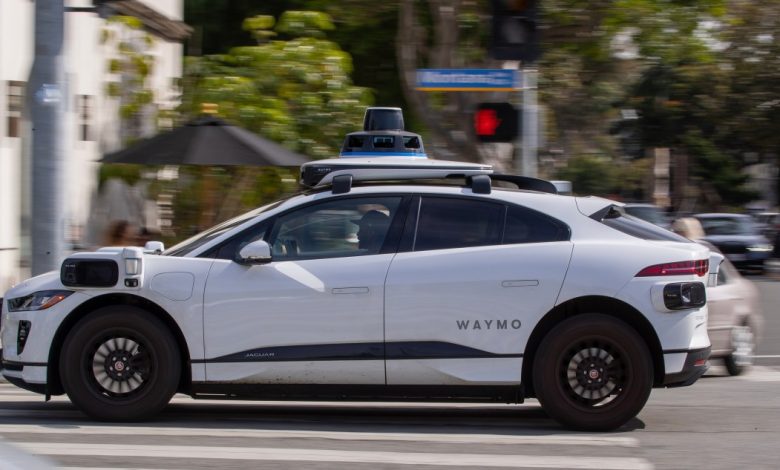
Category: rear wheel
[592,372]
[744,343]
[120,363]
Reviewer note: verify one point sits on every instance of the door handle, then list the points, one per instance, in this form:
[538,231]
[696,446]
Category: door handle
[520,283]
[349,290]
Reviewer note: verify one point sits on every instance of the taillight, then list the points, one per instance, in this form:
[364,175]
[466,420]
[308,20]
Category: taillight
[699,267]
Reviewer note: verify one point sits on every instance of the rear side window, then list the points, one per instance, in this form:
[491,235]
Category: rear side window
[615,218]
[457,223]
[528,226]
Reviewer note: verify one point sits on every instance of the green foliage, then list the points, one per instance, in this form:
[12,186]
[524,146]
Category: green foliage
[131,63]
[696,71]
[130,174]
[297,92]
[260,26]
[716,169]
[304,24]
[591,174]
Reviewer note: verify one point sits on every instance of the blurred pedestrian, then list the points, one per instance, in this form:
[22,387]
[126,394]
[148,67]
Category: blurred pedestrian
[688,227]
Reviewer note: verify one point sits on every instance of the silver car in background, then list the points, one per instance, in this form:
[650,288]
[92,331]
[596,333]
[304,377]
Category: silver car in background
[735,319]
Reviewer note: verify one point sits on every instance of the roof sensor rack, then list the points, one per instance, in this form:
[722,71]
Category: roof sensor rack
[383,151]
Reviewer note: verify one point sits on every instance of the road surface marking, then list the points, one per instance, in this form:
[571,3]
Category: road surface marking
[454,438]
[341,456]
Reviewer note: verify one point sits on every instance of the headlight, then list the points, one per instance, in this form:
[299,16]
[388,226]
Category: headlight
[760,248]
[38,300]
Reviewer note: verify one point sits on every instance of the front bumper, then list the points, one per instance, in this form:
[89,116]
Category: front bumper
[13,372]
[696,364]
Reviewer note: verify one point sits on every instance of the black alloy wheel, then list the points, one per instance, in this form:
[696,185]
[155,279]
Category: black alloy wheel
[120,363]
[592,372]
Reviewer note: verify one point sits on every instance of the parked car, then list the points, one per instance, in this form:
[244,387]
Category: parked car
[769,225]
[735,318]
[377,283]
[766,223]
[738,238]
[649,212]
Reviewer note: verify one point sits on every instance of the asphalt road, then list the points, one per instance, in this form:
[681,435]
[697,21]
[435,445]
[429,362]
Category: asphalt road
[769,342]
[720,422]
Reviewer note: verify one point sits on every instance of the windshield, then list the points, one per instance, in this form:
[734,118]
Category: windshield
[727,226]
[185,247]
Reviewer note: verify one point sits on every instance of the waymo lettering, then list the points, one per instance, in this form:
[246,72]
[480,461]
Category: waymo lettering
[488,324]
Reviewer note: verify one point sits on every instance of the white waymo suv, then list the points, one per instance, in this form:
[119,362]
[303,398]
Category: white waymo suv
[405,279]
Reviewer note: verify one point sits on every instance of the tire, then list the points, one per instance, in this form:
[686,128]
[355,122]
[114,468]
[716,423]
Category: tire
[743,340]
[592,372]
[120,363]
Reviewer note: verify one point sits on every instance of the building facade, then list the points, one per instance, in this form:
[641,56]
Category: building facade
[94,122]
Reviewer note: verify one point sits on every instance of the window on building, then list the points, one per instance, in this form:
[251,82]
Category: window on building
[15,106]
[86,103]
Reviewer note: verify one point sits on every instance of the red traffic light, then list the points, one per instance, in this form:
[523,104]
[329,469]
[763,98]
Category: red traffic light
[486,122]
[496,122]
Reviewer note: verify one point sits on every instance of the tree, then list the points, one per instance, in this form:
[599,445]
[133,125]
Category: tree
[297,91]
[293,87]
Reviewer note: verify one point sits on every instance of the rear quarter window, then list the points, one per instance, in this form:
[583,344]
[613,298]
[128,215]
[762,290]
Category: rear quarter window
[529,226]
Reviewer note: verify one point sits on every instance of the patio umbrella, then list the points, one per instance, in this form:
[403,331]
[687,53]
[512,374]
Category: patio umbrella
[207,141]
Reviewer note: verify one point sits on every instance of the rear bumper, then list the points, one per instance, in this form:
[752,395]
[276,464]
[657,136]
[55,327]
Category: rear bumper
[695,366]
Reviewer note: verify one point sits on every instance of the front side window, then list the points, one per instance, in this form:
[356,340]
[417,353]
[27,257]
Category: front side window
[457,223]
[346,227]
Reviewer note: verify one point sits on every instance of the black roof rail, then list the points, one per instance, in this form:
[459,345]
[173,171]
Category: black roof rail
[526,182]
[480,181]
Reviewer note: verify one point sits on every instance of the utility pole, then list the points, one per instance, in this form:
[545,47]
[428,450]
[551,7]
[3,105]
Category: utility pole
[529,125]
[46,92]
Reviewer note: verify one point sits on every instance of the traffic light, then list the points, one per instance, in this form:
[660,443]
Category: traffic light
[514,34]
[496,122]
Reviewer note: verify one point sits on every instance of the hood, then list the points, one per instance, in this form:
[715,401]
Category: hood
[46,281]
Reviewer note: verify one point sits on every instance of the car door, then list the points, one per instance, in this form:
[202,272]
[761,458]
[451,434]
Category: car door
[464,295]
[314,314]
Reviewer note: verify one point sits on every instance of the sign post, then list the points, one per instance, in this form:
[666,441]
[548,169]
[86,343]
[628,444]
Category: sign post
[526,164]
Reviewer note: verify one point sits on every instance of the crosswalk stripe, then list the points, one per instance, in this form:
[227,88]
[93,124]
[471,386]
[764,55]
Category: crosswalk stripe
[565,439]
[342,456]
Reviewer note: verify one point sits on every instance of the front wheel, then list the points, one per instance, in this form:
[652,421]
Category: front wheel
[592,372]
[120,363]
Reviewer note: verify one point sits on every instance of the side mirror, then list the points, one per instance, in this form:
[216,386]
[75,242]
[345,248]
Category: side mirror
[256,252]
[154,247]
